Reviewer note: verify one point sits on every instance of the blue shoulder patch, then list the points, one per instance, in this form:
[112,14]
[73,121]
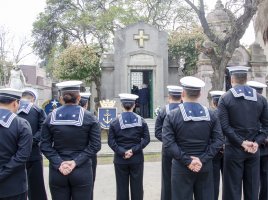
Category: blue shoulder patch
[68,115]
[194,112]
[244,91]
[6,117]
[129,120]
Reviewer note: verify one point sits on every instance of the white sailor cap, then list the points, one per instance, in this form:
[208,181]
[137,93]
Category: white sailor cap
[192,83]
[69,85]
[174,90]
[128,98]
[10,93]
[238,69]
[85,95]
[31,91]
[216,93]
[256,84]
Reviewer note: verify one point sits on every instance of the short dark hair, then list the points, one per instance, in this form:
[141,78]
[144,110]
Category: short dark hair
[128,105]
[70,96]
[192,93]
[240,78]
[24,94]
[83,102]
[175,98]
[6,100]
[215,101]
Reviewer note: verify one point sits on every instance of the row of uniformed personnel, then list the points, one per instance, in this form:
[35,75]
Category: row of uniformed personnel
[70,139]
[192,153]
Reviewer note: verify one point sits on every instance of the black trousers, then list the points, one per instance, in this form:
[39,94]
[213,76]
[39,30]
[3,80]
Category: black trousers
[263,178]
[94,168]
[166,176]
[129,174]
[36,185]
[185,185]
[239,167]
[75,186]
[22,196]
[217,170]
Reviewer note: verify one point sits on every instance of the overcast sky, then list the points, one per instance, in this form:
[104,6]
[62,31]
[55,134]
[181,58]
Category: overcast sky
[19,15]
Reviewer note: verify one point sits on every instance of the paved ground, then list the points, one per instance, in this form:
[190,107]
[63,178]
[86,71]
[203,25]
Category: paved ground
[105,182]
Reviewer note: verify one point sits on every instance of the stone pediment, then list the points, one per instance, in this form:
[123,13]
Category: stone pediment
[142,59]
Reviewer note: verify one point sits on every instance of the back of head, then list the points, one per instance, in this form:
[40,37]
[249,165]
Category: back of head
[70,97]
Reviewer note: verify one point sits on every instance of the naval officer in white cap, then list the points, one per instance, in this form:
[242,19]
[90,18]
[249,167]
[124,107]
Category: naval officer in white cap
[263,194]
[218,159]
[35,116]
[15,147]
[128,136]
[84,99]
[70,138]
[193,136]
[241,111]
[84,103]
[174,99]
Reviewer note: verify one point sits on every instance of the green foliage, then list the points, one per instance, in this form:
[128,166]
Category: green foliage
[183,44]
[78,63]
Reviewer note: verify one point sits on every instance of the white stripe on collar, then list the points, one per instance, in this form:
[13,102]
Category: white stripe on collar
[26,110]
[191,118]
[78,122]
[253,98]
[9,121]
[124,126]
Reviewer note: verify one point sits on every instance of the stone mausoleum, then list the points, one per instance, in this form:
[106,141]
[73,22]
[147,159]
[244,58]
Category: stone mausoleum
[140,60]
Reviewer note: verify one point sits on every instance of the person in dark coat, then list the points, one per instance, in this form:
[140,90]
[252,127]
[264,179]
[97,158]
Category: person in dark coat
[70,138]
[144,100]
[263,194]
[128,136]
[15,147]
[36,117]
[84,104]
[218,159]
[241,111]
[193,136]
[174,99]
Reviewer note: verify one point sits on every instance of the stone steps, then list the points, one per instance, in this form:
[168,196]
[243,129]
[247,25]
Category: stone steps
[153,147]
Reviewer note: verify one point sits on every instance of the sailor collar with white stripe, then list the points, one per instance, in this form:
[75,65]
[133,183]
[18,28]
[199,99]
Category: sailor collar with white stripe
[68,115]
[129,120]
[6,117]
[25,106]
[171,106]
[244,91]
[194,112]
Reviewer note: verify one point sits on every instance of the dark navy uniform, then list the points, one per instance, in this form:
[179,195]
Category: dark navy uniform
[35,116]
[128,131]
[192,130]
[166,157]
[263,195]
[241,110]
[15,148]
[71,133]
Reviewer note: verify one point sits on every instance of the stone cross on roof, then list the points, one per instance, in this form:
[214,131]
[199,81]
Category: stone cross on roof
[141,37]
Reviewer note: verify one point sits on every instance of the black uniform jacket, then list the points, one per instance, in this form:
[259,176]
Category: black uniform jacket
[241,118]
[15,149]
[63,140]
[36,117]
[160,119]
[183,139]
[134,137]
